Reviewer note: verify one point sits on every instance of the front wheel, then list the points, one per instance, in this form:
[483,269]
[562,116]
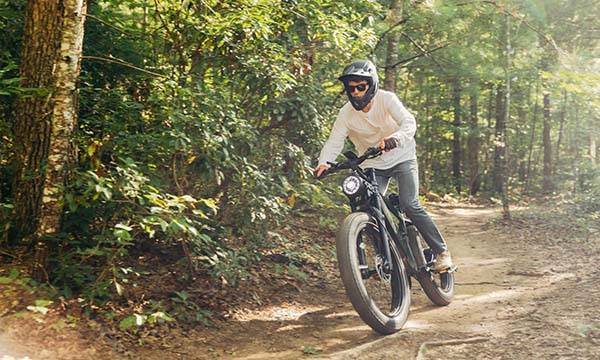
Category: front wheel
[380,297]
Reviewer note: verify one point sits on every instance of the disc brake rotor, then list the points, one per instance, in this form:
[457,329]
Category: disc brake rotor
[384,276]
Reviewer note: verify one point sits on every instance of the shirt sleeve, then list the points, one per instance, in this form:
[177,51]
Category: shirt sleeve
[334,145]
[407,122]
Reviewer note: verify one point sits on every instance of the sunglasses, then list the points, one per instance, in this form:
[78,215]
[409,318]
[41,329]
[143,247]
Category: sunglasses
[360,87]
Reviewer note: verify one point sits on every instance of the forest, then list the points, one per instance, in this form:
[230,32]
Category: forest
[187,132]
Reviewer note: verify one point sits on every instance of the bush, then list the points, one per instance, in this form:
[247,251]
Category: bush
[107,215]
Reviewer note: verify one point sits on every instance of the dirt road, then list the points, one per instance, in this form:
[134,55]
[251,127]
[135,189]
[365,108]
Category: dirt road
[517,298]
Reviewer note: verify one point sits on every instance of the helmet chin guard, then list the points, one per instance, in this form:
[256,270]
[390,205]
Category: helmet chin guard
[359,103]
[361,70]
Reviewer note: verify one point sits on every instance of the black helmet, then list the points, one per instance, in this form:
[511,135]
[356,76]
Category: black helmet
[361,70]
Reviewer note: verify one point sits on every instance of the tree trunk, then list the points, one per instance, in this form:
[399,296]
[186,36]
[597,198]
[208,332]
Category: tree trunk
[456,151]
[487,162]
[419,111]
[498,143]
[593,153]
[532,138]
[504,158]
[547,186]
[575,148]
[520,145]
[33,115]
[47,124]
[391,71]
[473,147]
[561,127]
[429,146]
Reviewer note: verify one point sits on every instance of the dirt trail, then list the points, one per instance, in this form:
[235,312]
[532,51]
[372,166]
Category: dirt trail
[516,299]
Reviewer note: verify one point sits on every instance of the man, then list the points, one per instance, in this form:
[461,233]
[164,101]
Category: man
[374,117]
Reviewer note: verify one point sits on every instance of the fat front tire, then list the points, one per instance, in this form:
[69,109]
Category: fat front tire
[381,299]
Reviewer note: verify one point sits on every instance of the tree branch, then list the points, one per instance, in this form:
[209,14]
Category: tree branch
[123,63]
[109,25]
[423,50]
[426,53]
[7,254]
[390,29]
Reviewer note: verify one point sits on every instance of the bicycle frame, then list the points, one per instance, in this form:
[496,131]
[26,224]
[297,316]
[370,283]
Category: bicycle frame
[383,211]
[367,198]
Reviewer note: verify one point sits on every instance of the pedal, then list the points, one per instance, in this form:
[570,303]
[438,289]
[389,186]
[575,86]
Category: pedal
[451,269]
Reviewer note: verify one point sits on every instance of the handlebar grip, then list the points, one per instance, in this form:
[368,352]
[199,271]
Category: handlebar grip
[326,171]
[373,151]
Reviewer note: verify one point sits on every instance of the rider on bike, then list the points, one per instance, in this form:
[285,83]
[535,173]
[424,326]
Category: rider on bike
[376,118]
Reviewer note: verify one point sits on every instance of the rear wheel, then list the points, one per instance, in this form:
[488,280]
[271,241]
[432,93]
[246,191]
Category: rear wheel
[381,298]
[439,287]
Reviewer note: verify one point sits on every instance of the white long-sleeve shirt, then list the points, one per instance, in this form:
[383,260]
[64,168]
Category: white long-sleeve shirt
[387,117]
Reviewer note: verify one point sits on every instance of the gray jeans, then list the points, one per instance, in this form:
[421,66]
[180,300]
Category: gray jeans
[406,175]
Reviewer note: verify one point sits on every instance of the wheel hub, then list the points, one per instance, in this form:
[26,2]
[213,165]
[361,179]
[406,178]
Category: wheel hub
[382,270]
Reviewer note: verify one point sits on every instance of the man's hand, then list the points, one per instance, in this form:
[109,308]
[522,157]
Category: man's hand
[320,169]
[388,143]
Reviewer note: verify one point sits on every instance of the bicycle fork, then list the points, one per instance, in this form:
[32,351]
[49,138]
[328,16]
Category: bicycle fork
[383,251]
[380,243]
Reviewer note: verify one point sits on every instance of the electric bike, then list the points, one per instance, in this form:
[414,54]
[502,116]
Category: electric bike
[379,250]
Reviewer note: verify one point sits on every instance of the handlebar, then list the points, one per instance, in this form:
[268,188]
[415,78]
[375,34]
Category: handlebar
[353,161]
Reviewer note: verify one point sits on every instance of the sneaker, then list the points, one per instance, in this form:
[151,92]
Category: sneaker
[443,261]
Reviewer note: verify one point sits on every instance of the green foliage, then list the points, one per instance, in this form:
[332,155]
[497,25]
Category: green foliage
[308,350]
[228,265]
[136,321]
[589,330]
[11,24]
[292,271]
[40,306]
[187,310]
[16,278]
[236,129]
[107,215]
[8,86]
[231,129]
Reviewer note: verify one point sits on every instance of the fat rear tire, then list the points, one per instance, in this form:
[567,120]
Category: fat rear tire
[439,288]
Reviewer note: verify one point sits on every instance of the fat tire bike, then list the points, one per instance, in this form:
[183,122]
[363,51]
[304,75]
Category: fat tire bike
[379,250]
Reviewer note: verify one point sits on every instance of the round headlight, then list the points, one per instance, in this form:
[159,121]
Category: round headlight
[351,185]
